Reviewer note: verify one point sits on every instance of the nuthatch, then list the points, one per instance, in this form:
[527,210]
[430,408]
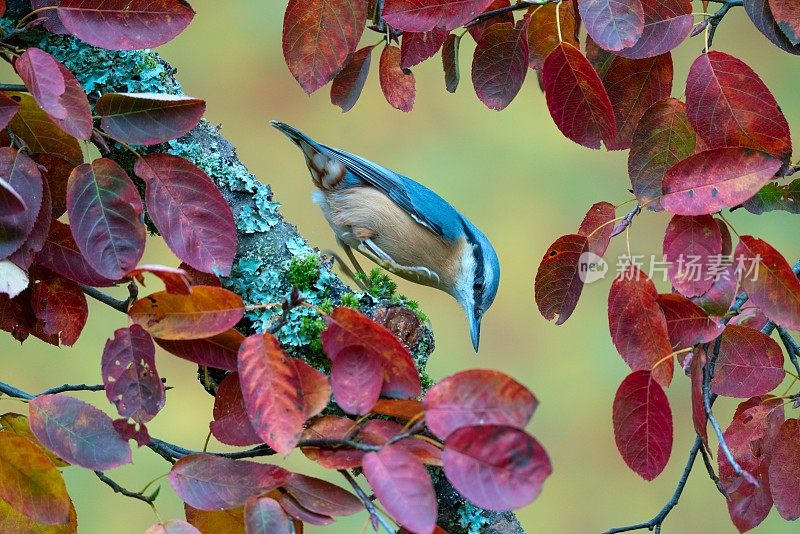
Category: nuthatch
[402,226]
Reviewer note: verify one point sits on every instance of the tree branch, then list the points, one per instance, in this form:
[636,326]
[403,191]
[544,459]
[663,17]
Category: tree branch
[708,401]
[119,305]
[119,489]
[655,523]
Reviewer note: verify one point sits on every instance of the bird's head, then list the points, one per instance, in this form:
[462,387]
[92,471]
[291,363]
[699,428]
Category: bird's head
[477,281]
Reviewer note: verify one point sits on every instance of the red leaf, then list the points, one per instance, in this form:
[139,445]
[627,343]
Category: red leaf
[785,14]
[711,180]
[500,63]
[403,487]
[750,438]
[728,105]
[231,425]
[613,24]
[10,201]
[690,246]
[477,30]
[321,497]
[208,311]
[125,24]
[30,484]
[404,410]
[750,363]
[318,35]
[576,98]
[417,47]
[40,73]
[452,71]
[40,133]
[105,212]
[175,281]
[543,30]
[666,24]
[496,467]
[263,515]
[130,375]
[208,482]
[425,15]
[348,84]
[638,328]
[380,432]
[699,417]
[761,15]
[720,296]
[60,254]
[304,515]
[784,470]
[597,227]
[687,323]
[643,424]
[22,174]
[190,212]
[356,378]
[399,86]
[8,108]
[773,288]
[219,352]
[633,85]
[558,283]
[78,122]
[272,392]
[128,430]
[348,327]
[50,19]
[477,397]
[173,526]
[61,305]
[24,256]
[148,118]
[77,432]
[329,426]
[315,386]
[197,278]
[16,315]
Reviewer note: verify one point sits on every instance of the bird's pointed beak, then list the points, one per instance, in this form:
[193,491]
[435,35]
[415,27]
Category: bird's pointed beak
[475,329]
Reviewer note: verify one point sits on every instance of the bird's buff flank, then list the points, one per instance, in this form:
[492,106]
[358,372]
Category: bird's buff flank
[402,226]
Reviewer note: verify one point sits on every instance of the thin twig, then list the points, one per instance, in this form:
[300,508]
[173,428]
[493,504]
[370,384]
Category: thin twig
[717,17]
[711,473]
[502,11]
[119,489]
[655,523]
[73,387]
[708,400]
[119,305]
[365,500]
[792,347]
[15,87]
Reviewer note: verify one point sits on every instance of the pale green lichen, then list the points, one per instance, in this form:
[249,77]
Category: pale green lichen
[105,71]
[472,519]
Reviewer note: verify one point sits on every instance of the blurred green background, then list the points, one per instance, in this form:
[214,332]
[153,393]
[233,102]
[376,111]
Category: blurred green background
[517,178]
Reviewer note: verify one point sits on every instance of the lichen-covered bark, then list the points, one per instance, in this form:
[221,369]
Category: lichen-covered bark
[272,255]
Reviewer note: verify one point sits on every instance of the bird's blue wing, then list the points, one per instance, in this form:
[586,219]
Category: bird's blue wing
[425,206]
